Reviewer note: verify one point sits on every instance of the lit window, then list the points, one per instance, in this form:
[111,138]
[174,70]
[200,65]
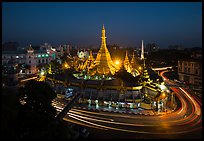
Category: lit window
[46,55]
[17,56]
[39,55]
[43,55]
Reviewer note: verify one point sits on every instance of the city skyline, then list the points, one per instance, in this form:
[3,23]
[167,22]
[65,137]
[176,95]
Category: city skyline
[126,23]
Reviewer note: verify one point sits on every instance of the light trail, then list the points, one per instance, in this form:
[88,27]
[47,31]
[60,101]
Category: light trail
[133,131]
[28,79]
[196,105]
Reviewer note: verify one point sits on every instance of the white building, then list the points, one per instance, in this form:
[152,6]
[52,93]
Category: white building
[30,57]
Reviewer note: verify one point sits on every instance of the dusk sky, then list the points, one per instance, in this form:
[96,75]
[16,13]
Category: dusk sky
[80,23]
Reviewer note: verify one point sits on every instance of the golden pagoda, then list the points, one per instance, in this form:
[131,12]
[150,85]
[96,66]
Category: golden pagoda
[145,76]
[103,64]
[127,64]
[89,62]
[135,65]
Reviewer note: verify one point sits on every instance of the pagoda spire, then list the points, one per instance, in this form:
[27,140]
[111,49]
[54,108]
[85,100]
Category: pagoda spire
[142,51]
[103,63]
[135,65]
[126,63]
[103,37]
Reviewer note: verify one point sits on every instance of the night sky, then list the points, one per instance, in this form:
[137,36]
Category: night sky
[80,23]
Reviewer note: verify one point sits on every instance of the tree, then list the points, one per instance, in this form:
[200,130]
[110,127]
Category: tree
[36,111]
[39,96]
[41,66]
[29,114]
[27,67]
[9,113]
[55,66]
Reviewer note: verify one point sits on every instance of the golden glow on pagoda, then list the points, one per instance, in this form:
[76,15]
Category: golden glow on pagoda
[117,62]
[103,64]
[126,63]
[66,65]
[89,62]
[135,65]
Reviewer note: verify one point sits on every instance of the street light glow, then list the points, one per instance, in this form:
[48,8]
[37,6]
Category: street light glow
[163,87]
[42,73]
[163,95]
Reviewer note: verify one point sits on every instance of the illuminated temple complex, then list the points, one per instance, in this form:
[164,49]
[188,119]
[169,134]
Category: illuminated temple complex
[103,66]
[95,79]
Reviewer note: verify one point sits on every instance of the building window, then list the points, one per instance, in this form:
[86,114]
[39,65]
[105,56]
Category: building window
[188,70]
[39,61]
[196,71]
[185,70]
[46,60]
[29,61]
[21,56]
[29,56]
[43,60]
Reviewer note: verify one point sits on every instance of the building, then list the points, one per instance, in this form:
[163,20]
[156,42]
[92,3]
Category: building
[29,57]
[190,71]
